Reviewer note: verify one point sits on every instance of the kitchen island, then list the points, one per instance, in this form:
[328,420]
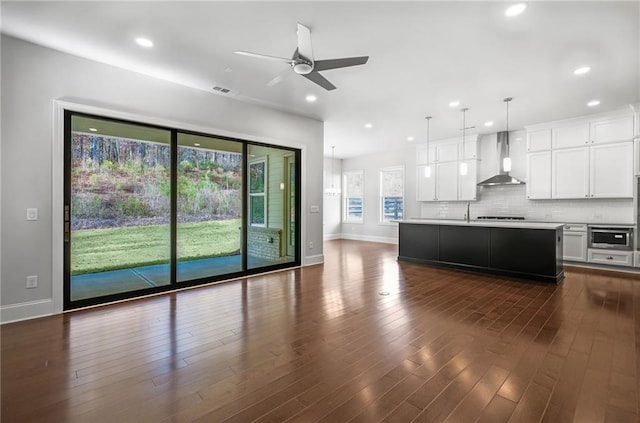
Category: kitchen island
[528,250]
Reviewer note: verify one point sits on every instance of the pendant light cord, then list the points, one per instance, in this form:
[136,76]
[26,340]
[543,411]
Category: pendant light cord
[428,118]
[464,130]
[507,100]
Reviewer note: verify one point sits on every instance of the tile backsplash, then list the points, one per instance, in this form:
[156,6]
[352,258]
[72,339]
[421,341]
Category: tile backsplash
[511,200]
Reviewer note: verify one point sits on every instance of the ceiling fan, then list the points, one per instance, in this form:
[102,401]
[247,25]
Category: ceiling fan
[303,64]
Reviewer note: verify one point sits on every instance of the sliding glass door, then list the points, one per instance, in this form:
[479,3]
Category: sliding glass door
[117,217]
[209,207]
[149,209]
[272,206]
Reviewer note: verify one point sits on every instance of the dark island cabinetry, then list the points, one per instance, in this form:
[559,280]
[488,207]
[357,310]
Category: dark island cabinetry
[529,251]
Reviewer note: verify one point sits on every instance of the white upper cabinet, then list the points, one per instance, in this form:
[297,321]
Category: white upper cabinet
[447,152]
[470,150]
[574,135]
[611,170]
[421,151]
[468,184]
[539,175]
[570,173]
[636,155]
[612,130]
[426,187]
[447,181]
[591,157]
[539,140]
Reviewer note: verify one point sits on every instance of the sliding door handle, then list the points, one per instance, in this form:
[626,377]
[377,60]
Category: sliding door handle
[67,227]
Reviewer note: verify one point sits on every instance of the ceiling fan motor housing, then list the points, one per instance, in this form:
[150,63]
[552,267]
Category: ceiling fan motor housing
[302,67]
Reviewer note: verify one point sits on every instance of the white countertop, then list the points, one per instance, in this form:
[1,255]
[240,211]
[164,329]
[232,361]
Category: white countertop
[522,224]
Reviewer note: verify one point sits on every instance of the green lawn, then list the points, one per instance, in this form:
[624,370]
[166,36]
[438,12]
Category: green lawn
[98,250]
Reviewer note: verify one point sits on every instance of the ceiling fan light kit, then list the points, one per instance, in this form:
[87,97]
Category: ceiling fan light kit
[303,63]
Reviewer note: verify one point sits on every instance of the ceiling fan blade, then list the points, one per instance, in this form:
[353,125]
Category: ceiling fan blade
[264,56]
[320,80]
[321,65]
[304,42]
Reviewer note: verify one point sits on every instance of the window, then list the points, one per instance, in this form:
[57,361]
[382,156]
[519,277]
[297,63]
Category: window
[391,194]
[354,196]
[257,192]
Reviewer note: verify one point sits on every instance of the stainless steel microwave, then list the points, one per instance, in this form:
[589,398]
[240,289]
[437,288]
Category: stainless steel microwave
[611,238]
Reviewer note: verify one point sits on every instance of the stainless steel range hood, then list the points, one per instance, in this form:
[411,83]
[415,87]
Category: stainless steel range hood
[502,178]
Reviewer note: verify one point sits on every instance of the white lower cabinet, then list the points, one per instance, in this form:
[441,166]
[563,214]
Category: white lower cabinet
[636,260]
[616,258]
[575,244]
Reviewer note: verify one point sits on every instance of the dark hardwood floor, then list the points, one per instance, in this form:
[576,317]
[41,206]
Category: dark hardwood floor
[322,344]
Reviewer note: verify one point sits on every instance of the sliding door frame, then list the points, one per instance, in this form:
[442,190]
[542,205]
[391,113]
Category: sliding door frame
[62,117]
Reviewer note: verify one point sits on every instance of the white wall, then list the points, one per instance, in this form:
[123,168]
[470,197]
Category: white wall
[371,229]
[31,78]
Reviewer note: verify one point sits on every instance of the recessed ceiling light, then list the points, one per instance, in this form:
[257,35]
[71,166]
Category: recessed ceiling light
[582,70]
[368,125]
[410,138]
[311,98]
[144,42]
[515,10]
[488,123]
[196,144]
[93,130]
[454,103]
[593,103]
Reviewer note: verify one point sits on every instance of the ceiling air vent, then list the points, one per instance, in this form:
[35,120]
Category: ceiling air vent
[223,91]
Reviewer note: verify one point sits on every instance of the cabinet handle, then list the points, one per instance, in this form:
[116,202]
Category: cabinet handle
[609,257]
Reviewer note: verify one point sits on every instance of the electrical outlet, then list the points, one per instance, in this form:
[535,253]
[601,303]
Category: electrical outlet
[32,281]
[311,245]
[32,213]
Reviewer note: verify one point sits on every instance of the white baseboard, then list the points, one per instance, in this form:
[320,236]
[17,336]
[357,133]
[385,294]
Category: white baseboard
[25,311]
[330,237]
[311,260]
[369,238]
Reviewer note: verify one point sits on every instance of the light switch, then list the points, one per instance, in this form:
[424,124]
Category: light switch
[315,209]
[32,214]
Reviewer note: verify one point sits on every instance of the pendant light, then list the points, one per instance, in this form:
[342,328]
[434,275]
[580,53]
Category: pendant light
[506,162]
[463,164]
[427,168]
[333,191]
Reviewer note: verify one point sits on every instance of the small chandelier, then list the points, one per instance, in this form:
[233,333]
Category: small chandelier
[332,191]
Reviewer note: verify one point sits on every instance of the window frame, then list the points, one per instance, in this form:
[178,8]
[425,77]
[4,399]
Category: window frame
[346,218]
[381,200]
[264,194]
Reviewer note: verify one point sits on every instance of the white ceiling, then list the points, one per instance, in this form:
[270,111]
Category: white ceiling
[422,56]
